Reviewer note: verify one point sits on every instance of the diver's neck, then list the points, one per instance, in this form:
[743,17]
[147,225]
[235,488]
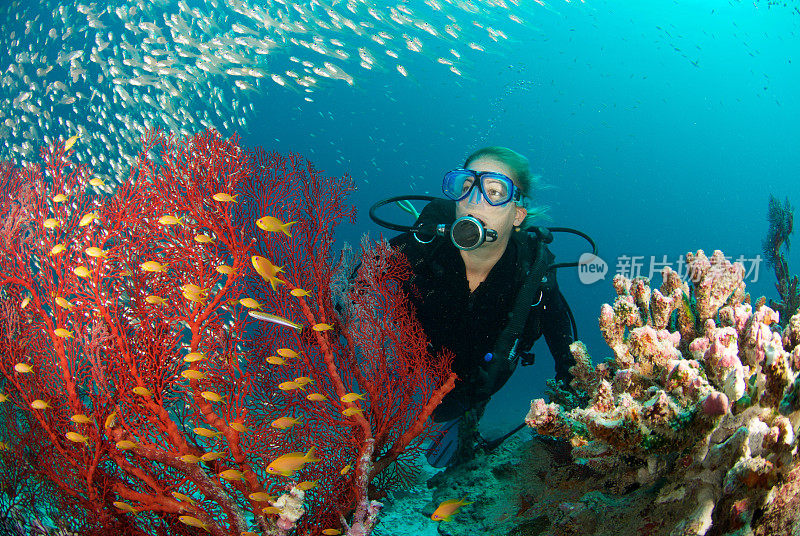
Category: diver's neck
[479,262]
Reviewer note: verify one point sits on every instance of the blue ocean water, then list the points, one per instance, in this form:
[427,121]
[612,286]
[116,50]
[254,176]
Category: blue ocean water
[660,128]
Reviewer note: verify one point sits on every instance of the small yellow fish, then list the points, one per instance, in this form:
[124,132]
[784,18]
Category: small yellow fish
[232,474]
[239,427]
[303,381]
[267,271]
[205,432]
[211,456]
[59,198]
[40,404]
[203,239]
[193,522]
[289,386]
[51,223]
[283,423]
[80,418]
[96,181]
[275,360]
[63,333]
[23,368]
[274,510]
[222,197]
[197,297]
[349,412]
[193,289]
[250,303]
[211,396]
[64,303]
[288,464]
[126,445]
[248,533]
[331,532]
[298,292]
[351,397]
[75,437]
[189,458]
[271,224]
[96,252]
[87,219]
[142,391]
[82,271]
[307,485]
[185,498]
[225,269]
[194,357]
[345,469]
[447,508]
[4,446]
[58,248]
[70,142]
[155,300]
[286,353]
[192,374]
[3,398]
[261,496]
[153,266]
[275,319]
[321,327]
[110,420]
[125,507]
[24,303]
[316,397]
[264,267]
[169,219]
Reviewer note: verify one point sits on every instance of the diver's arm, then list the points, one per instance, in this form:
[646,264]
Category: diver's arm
[557,331]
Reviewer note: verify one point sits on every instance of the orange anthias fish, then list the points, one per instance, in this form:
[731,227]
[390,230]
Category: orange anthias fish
[447,509]
[222,197]
[288,464]
[267,270]
[283,423]
[193,522]
[70,142]
[272,224]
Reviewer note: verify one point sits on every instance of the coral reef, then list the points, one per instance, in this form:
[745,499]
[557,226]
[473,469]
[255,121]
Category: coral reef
[699,404]
[188,353]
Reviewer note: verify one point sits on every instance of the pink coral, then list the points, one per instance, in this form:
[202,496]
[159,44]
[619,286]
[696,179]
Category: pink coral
[715,404]
[711,390]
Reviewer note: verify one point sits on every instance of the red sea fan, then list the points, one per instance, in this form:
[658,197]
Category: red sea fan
[151,394]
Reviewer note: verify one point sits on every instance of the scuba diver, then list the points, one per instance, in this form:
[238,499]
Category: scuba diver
[483,288]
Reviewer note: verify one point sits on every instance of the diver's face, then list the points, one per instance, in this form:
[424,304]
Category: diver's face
[502,219]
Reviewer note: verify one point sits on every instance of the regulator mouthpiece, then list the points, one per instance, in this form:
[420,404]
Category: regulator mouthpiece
[468,233]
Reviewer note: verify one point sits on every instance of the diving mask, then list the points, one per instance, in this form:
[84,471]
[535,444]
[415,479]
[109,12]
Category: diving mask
[496,188]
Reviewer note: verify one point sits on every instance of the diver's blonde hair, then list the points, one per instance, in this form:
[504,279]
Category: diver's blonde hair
[527,182]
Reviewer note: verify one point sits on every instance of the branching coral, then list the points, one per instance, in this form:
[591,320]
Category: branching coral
[781,224]
[169,353]
[700,400]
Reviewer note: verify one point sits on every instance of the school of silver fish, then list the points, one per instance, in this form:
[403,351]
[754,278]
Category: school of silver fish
[107,71]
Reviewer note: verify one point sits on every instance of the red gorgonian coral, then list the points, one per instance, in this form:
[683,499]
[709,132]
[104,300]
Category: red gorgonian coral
[145,391]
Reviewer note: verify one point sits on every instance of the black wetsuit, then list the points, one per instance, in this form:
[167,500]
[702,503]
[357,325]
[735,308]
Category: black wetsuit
[469,323]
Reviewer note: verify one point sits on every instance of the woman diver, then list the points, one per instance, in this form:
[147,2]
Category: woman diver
[487,292]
